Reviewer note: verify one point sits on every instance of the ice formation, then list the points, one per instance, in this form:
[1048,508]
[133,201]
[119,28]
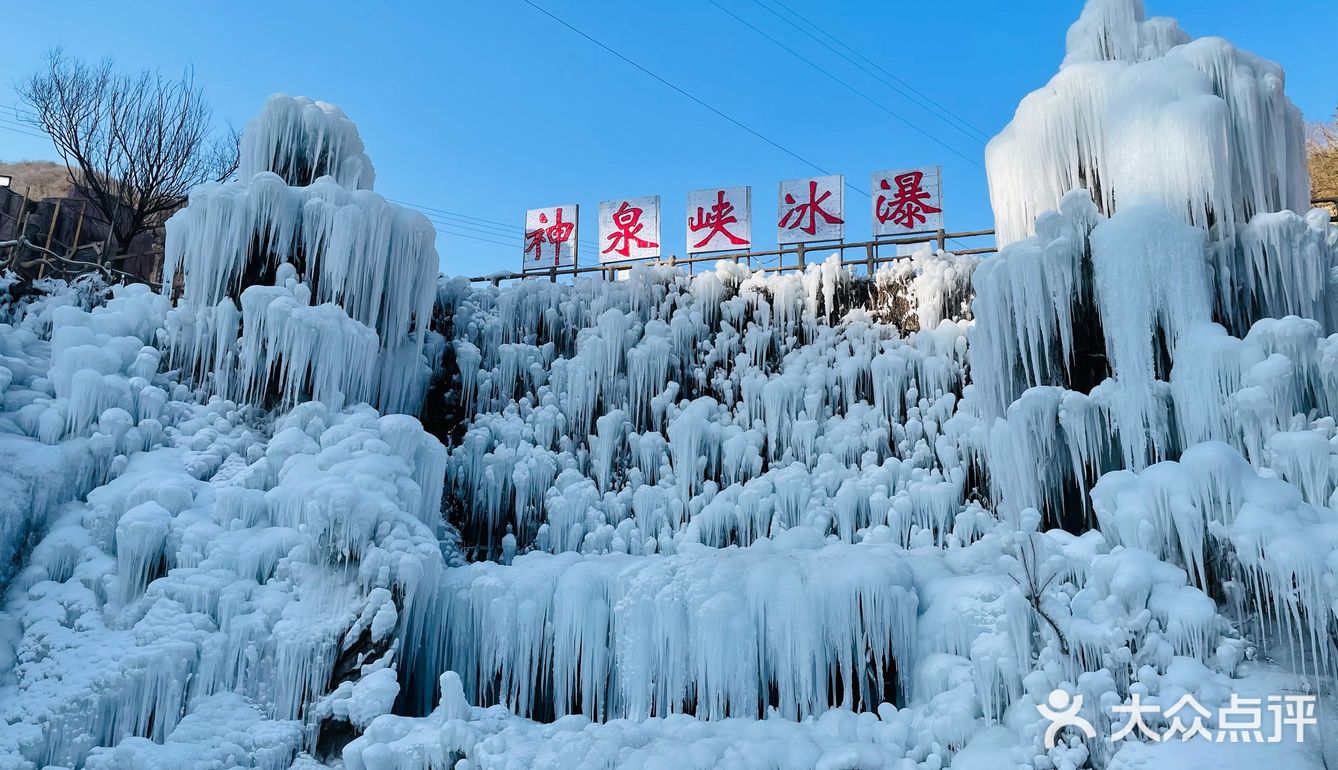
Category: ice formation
[202,582]
[723,520]
[783,625]
[1138,113]
[299,271]
[743,411]
[218,562]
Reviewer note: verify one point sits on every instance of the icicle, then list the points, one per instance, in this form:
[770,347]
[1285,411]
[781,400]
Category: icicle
[302,140]
[684,625]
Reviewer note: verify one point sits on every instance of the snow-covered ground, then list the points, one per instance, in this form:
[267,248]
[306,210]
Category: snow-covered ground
[721,520]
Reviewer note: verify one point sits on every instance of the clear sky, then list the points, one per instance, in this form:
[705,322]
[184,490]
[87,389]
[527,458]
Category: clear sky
[480,110]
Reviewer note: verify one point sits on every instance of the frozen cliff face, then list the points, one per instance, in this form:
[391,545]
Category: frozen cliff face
[668,409]
[184,562]
[238,559]
[299,273]
[724,520]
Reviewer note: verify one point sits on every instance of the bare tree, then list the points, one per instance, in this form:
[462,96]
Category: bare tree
[1030,578]
[1322,153]
[135,144]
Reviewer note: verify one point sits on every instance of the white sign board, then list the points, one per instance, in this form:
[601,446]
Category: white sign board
[720,219]
[811,210]
[550,237]
[908,201]
[629,228]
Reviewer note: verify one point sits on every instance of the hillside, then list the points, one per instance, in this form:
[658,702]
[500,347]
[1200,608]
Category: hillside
[40,178]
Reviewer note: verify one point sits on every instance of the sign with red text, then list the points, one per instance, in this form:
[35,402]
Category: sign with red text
[908,201]
[629,228]
[811,210]
[720,219]
[550,237]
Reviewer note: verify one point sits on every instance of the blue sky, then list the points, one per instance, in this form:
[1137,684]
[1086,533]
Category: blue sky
[484,109]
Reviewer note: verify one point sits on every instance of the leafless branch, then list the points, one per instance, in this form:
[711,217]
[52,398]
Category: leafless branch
[1322,152]
[1034,586]
[134,144]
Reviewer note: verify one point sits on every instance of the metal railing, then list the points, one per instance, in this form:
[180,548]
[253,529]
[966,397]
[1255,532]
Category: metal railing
[67,264]
[57,259]
[870,261]
[797,253]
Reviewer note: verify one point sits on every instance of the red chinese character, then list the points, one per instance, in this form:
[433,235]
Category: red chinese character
[721,214]
[907,206]
[812,209]
[557,234]
[628,221]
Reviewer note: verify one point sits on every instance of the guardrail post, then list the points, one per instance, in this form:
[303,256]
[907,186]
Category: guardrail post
[23,211]
[50,232]
[78,228]
[872,258]
[51,229]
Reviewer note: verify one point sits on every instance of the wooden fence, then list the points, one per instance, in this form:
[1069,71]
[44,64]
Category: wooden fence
[65,238]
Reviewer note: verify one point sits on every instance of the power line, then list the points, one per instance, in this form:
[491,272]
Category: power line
[450,213]
[475,224]
[516,236]
[484,230]
[9,126]
[853,89]
[475,237]
[481,226]
[495,229]
[478,224]
[684,93]
[22,123]
[961,124]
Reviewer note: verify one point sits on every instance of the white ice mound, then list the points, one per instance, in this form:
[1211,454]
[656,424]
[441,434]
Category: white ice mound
[360,270]
[302,140]
[1137,115]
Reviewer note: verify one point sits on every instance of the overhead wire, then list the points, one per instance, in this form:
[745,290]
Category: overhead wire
[916,96]
[847,85]
[700,102]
